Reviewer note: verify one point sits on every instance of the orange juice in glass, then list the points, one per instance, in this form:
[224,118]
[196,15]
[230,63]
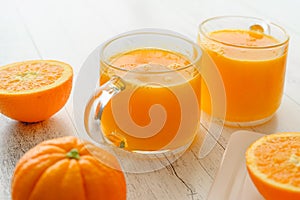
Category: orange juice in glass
[250,55]
[150,91]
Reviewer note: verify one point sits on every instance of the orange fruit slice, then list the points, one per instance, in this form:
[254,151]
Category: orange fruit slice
[33,91]
[273,163]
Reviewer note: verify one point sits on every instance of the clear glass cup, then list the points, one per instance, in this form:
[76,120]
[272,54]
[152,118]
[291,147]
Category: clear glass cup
[250,54]
[147,107]
[144,113]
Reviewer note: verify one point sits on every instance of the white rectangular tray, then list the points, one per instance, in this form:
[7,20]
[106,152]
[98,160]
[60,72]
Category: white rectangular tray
[232,181]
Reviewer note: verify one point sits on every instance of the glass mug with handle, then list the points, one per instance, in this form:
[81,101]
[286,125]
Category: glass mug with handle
[149,96]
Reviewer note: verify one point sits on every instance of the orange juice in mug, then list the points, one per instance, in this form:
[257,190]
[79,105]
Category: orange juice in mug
[150,91]
[250,55]
[154,86]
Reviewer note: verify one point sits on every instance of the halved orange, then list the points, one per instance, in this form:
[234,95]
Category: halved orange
[33,91]
[273,163]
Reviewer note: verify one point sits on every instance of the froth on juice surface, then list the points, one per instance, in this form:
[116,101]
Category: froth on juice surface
[252,68]
[159,109]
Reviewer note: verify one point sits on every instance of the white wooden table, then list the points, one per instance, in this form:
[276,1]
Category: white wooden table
[68,30]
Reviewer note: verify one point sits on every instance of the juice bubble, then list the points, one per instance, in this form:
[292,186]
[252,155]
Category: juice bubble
[256,27]
[175,66]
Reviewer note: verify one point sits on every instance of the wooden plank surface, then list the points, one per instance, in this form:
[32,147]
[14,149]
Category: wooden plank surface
[69,30]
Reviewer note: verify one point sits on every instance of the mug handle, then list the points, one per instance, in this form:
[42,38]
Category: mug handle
[96,104]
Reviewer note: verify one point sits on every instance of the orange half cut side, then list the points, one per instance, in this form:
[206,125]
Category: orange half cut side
[33,91]
[273,163]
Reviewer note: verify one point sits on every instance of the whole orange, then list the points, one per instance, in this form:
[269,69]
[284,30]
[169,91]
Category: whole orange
[33,91]
[68,169]
[273,163]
